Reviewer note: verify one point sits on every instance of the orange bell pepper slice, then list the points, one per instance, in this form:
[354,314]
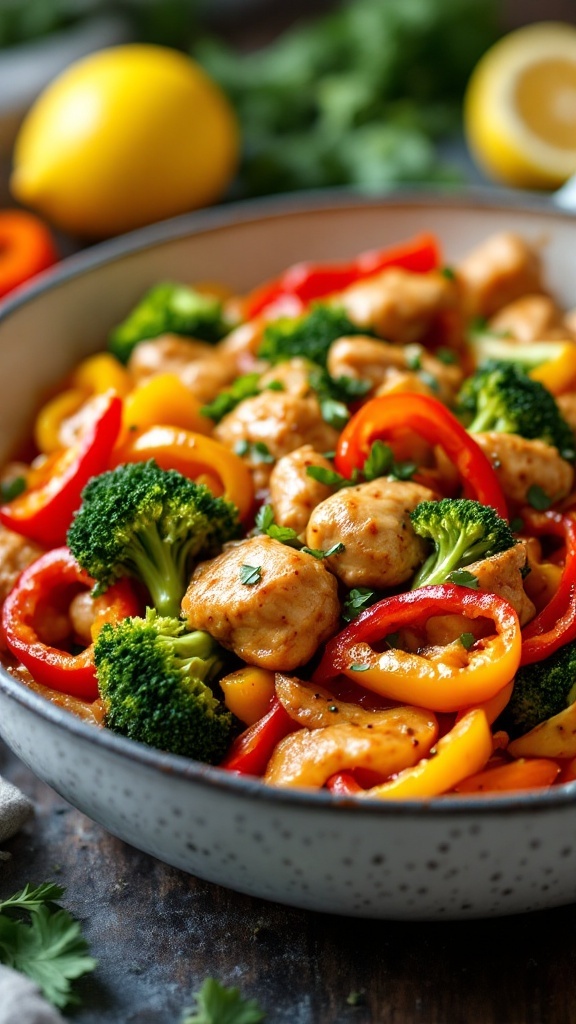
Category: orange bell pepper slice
[449,679]
[26,248]
[535,773]
[192,455]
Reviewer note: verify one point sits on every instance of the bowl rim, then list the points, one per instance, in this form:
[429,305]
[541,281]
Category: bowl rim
[186,769]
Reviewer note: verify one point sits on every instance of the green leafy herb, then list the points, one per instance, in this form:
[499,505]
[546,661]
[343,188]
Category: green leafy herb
[44,941]
[320,553]
[246,386]
[257,451]
[250,574]
[381,462]
[265,523]
[10,489]
[356,667]
[448,272]
[217,1004]
[334,394]
[413,356]
[467,639]
[357,600]
[446,356]
[538,498]
[328,476]
[517,524]
[463,578]
[357,96]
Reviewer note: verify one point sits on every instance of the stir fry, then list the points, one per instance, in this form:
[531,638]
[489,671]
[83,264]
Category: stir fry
[323,533]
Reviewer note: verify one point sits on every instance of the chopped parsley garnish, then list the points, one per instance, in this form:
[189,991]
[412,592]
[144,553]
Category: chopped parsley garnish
[357,600]
[467,639]
[250,574]
[538,498]
[10,489]
[463,578]
[246,386]
[266,524]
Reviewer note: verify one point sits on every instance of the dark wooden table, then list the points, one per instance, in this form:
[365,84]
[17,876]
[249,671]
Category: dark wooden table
[158,933]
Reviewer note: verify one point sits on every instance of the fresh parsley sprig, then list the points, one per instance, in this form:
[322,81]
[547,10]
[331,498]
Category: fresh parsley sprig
[217,1004]
[41,939]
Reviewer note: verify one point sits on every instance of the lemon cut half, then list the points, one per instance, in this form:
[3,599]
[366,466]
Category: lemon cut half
[520,107]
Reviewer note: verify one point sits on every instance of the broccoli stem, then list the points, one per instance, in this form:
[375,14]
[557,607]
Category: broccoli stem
[154,562]
[450,555]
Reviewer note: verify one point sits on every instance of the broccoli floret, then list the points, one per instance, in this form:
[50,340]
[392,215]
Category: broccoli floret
[153,677]
[500,396]
[169,309]
[462,531]
[309,336]
[143,521]
[541,690]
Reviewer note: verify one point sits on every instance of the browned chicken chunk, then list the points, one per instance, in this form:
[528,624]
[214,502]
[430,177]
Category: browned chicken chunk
[399,305]
[372,521]
[277,622]
[520,464]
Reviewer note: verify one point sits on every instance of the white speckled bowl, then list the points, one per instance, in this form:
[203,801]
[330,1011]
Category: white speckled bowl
[442,859]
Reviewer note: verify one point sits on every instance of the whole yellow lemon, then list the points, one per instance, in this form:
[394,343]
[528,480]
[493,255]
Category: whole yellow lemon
[124,137]
[520,107]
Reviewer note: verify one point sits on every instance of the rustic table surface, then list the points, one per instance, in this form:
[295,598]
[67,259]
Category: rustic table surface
[158,933]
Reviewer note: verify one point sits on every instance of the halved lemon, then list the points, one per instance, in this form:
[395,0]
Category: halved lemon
[520,107]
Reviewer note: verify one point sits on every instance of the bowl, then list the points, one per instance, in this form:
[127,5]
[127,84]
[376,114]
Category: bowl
[447,858]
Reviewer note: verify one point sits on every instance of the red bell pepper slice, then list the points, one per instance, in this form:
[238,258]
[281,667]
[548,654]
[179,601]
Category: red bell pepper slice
[344,784]
[251,751]
[555,625]
[26,248]
[52,578]
[44,512]
[310,281]
[382,417]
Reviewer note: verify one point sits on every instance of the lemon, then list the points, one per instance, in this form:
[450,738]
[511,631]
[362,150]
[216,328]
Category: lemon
[520,107]
[124,137]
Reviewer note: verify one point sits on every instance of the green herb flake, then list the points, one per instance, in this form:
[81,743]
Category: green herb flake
[356,667]
[463,578]
[357,600]
[446,356]
[449,273]
[10,489]
[250,574]
[413,355]
[326,476]
[538,498]
[467,639]
[517,524]
[320,553]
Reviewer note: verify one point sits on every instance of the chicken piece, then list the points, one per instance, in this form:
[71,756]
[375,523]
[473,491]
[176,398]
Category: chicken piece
[293,375]
[520,464]
[387,743]
[379,362]
[397,304]
[199,365]
[372,521]
[293,493]
[500,574]
[239,348]
[15,554]
[277,422]
[277,622]
[530,318]
[500,270]
[567,405]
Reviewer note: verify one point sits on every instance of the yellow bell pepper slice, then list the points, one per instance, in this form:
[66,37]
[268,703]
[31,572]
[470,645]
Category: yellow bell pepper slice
[164,399]
[558,373]
[461,752]
[193,455]
[51,416]
[248,692]
[556,737]
[100,373]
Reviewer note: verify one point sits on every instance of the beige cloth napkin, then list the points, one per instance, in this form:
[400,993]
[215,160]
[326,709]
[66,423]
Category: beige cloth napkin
[21,1001]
